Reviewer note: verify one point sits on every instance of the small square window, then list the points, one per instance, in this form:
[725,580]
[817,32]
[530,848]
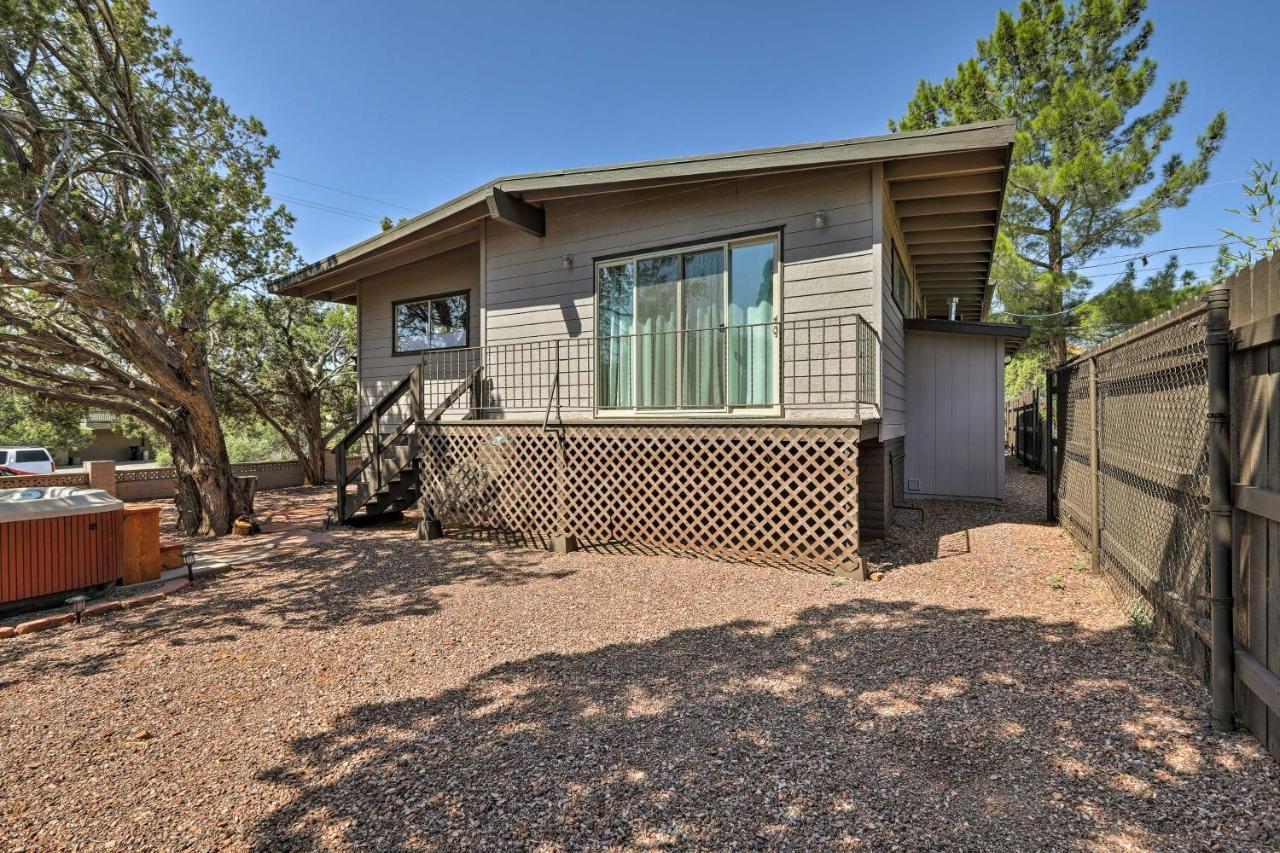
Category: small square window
[431,323]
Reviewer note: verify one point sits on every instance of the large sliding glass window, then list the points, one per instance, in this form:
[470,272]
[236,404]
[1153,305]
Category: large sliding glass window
[689,329]
[657,327]
[752,337]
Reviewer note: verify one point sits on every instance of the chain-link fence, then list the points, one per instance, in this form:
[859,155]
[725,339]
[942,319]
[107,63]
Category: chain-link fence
[1132,471]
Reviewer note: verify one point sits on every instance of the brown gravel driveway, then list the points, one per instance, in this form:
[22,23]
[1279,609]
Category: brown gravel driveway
[379,693]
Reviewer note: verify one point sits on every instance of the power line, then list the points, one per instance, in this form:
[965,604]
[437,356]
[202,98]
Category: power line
[1102,292]
[1146,254]
[344,192]
[326,208]
[1072,308]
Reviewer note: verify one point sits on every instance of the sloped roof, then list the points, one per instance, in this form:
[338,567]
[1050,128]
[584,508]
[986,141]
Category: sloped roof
[948,179]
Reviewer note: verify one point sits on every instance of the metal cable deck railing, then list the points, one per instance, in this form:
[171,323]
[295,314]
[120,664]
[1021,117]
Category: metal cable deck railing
[819,363]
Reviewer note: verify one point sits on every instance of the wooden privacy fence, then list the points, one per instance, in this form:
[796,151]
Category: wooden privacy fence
[1024,429]
[1165,465]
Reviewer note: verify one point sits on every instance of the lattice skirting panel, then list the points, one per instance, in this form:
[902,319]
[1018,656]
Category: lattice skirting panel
[774,493]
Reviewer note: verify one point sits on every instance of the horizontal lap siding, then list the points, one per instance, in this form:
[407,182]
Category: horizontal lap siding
[452,271]
[531,295]
[826,271]
[893,357]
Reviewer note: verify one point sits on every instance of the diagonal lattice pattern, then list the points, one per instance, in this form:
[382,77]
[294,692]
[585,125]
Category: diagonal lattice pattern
[763,492]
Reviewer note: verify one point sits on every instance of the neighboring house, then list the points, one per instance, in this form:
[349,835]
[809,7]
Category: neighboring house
[109,443]
[734,353]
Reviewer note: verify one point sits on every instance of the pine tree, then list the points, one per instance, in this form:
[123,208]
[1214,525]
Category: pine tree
[1085,175]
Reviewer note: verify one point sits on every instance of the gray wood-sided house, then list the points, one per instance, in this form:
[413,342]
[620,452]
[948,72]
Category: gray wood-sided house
[753,354]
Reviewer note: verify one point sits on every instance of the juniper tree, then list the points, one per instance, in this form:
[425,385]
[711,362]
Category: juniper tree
[1087,173]
[132,203]
[291,363]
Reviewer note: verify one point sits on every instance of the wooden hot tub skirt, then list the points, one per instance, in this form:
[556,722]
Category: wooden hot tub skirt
[47,556]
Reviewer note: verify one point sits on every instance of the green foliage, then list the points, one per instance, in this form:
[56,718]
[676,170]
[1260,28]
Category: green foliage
[1085,174]
[41,423]
[1262,211]
[1126,303]
[134,205]
[288,364]
[1024,371]
[252,440]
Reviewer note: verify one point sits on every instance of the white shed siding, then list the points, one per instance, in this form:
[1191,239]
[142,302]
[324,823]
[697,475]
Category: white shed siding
[955,405]
[380,370]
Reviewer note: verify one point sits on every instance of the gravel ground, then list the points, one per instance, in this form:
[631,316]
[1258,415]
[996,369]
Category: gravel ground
[111,593]
[388,694]
[269,507]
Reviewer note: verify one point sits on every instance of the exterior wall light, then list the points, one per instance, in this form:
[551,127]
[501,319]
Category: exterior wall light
[78,604]
[567,262]
[820,219]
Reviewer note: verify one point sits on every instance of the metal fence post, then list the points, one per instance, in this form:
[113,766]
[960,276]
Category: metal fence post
[1050,503]
[1222,653]
[1095,494]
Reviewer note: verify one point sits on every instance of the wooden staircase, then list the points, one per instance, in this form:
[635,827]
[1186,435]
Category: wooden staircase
[388,478]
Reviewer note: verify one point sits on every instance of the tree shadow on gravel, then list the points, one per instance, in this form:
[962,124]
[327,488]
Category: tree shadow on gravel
[360,577]
[866,723]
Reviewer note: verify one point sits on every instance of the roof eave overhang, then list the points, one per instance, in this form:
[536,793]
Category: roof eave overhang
[948,207]
[1013,336]
[336,272]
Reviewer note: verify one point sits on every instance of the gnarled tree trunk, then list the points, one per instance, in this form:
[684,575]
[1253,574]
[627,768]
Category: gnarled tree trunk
[207,499]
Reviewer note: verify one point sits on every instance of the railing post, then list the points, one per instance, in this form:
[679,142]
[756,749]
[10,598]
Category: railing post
[376,430]
[1037,434]
[1222,652]
[340,477]
[1095,496]
[419,391]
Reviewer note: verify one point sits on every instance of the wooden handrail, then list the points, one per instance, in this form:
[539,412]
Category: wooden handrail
[392,397]
[371,425]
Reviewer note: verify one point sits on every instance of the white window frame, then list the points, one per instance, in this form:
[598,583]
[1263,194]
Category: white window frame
[726,245]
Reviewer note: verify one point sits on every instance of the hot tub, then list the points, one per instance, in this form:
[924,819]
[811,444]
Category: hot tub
[56,540]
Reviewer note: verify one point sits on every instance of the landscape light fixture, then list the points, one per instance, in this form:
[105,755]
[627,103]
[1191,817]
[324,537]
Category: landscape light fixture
[820,219]
[78,604]
[329,519]
[189,560]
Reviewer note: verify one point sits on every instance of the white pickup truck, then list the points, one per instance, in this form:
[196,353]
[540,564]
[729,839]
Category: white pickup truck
[27,460]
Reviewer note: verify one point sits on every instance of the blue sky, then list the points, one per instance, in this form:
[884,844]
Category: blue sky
[412,103]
